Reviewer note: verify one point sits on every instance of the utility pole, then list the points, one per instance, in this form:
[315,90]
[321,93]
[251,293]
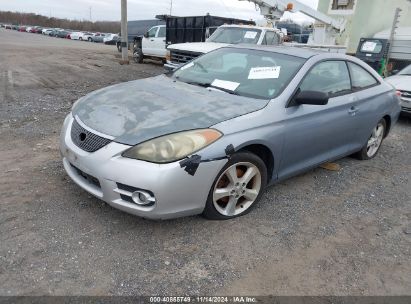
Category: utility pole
[124,33]
[90,12]
[171,6]
[391,39]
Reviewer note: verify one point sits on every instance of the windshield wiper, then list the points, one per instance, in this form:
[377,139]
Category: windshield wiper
[209,85]
[223,89]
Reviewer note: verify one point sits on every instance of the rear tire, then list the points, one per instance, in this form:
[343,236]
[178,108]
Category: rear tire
[89,39]
[373,144]
[138,56]
[237,188]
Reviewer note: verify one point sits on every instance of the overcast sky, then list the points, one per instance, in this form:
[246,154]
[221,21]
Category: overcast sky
[139,9]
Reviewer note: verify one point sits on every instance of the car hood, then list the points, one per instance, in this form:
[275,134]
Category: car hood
[197,47]
[400,82]
[136,111]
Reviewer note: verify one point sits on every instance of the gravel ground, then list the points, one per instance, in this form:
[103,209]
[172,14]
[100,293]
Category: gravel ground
[345,232]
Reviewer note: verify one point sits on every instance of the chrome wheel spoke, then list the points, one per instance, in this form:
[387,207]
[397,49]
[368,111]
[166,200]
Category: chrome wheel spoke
[379,131]
[230,208]
[219,193]
[250,194]
[248,175]
[232,174]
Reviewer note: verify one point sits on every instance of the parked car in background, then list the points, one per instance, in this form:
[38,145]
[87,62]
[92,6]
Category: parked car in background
[62,34]
[8,27]
[402,82]
[98,37]
[223,127]
[76,35]
[28,29]
[46,31]
[87,36]
[37,30]
[111,39]
[22,29]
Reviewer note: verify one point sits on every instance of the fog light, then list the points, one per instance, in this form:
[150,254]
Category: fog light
[143,198]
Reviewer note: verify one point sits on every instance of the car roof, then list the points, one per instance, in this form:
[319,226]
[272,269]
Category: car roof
[303,52]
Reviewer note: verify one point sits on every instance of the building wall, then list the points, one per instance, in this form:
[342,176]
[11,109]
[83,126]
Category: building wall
[367,18]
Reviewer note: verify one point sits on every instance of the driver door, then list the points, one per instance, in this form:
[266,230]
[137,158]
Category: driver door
[149,42]
[318,133]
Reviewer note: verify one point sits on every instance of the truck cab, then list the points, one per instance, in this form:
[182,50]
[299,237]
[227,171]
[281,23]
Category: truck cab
[178,54]
[151,45]
[374,52]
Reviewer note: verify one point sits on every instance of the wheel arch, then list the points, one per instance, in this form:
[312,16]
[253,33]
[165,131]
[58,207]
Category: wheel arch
[263,152]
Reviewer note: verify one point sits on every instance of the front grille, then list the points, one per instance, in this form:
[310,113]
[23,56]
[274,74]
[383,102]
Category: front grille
[181,57]
[91,179]
[86,140]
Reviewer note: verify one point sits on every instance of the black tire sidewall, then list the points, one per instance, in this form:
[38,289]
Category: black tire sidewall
[210,212]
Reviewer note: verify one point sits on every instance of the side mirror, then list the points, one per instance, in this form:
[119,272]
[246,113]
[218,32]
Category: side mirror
[146,35]
[311,98]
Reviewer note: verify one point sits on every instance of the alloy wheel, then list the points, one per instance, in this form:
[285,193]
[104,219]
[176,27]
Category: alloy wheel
[237,188]
[375,140]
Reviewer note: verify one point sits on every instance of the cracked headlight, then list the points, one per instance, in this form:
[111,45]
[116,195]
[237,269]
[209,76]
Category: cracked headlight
[169,148]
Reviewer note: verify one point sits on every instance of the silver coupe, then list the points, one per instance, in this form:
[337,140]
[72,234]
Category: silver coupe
[210,136]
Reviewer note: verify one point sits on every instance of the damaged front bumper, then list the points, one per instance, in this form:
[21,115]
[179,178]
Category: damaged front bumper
[114,179]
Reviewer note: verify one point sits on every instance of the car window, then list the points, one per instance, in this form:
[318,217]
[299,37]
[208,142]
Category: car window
[371,46]
[162,32]
[152,32]
[270,38]
[360,78]
[328,77]
[405,71]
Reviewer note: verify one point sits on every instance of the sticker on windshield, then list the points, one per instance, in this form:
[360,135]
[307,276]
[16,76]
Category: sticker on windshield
[369,46]
[250,35]
[224,84]
[265,72]
[187,66]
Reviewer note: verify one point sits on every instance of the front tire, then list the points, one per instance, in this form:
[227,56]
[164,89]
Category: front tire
[373,144]
[89,39]
[237,187]
[138,56]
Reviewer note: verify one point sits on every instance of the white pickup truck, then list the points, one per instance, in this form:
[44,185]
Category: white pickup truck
[178,54]
[151,45]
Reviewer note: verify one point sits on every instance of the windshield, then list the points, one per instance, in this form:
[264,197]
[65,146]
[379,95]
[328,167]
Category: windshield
[244,72]
[371,46]
[235,35]
[405,71]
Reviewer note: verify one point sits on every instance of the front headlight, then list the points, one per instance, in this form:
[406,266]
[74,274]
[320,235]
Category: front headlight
[173,147]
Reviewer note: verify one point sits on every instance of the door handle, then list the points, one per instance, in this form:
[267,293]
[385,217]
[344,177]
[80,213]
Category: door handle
[151,39]
[352,111]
